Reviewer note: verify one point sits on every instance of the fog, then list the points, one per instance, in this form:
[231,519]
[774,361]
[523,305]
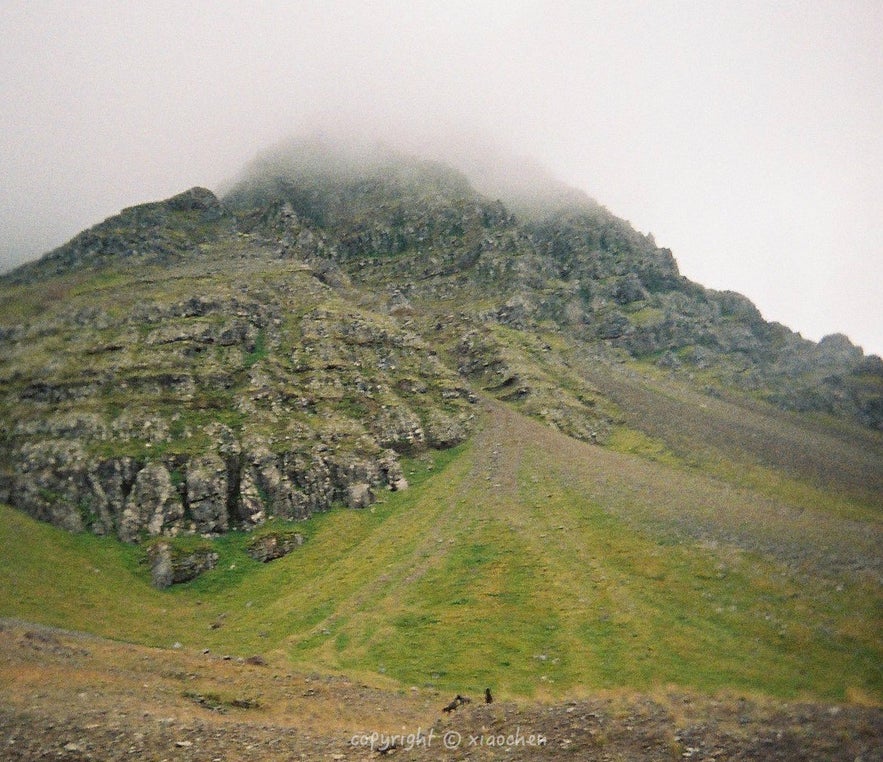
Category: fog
[745,136]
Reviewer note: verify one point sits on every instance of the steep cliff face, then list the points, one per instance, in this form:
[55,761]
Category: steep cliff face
[199,364]
[195,416]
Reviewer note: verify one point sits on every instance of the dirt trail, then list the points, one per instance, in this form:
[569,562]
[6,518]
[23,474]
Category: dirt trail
[499,448]
[657,497]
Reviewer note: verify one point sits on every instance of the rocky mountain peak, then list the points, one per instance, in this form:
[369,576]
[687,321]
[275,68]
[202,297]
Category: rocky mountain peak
[330,182]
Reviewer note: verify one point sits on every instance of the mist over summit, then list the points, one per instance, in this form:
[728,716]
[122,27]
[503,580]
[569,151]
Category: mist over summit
[522,183]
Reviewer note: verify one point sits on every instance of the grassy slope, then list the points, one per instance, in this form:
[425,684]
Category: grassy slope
[526,561]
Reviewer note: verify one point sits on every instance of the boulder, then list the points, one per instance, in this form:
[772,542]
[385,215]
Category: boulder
[170,565]
[268,547]
[359,495]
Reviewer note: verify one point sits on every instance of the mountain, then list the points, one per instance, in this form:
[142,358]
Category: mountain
[502,441]
[197,364]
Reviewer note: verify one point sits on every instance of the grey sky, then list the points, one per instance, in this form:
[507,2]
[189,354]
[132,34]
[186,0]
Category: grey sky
[745,136]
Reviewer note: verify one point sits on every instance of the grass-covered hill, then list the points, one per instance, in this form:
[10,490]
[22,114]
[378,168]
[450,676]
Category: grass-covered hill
[521,449]
[522,559]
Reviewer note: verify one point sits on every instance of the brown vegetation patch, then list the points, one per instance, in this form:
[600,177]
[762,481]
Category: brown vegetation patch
[121,701]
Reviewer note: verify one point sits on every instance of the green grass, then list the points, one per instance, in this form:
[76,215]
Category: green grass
[258,352]
[522,574]
[83,582]
[636,442]
[645,316]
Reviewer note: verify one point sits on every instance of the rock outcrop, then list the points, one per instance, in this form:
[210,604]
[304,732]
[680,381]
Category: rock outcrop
[167,413]
[272,545]
[202,494]
[170,565]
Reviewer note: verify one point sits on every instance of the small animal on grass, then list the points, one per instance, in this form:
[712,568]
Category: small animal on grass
[458,701]
[488,698]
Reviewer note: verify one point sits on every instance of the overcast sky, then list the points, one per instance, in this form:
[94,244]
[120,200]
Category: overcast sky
[745,136]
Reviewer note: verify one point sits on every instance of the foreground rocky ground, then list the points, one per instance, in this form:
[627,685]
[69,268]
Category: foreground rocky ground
[69,696]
